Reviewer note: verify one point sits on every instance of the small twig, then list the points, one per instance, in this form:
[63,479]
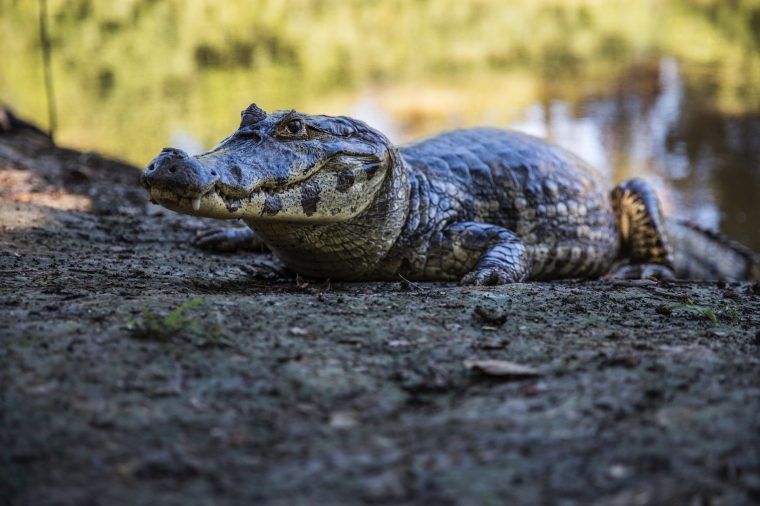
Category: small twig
[326,286]
[418,287]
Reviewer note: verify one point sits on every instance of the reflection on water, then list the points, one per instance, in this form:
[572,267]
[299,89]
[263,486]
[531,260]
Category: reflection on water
[622,84]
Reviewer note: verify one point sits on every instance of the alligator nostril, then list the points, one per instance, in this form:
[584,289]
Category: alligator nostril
[172,169]
[151,166]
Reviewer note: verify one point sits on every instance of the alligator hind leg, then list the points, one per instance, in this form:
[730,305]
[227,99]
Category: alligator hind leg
[228,239]
[498,254]
[645,243]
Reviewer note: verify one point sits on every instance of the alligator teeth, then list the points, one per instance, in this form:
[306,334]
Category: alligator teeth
[196,203]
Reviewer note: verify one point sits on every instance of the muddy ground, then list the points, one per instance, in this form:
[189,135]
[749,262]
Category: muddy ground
[270,390]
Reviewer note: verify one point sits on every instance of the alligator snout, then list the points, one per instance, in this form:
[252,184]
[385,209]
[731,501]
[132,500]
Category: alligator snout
[175,170]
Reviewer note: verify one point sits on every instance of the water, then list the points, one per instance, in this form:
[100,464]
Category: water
[668,91]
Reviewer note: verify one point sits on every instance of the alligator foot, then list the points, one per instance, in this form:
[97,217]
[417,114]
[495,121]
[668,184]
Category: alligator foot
[642,271]
[498,254]
[228,239]
[645,238]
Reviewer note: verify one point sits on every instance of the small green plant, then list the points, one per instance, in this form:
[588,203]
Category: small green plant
[154,326]
[689,306]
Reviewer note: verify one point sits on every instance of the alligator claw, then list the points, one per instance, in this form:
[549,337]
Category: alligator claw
[488,277]
[643,271]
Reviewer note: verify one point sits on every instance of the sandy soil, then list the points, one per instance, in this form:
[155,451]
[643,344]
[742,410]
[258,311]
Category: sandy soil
[269,390]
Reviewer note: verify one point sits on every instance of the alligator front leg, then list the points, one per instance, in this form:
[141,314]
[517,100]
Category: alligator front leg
[499,255]
[228,239]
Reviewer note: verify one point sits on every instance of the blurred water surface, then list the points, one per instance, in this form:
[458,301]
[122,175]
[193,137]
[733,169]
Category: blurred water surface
[666,90]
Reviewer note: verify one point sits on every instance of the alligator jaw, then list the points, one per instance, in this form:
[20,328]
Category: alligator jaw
[323,197]
[210,204]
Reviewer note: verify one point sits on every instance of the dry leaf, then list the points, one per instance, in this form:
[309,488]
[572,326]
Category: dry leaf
[342,420]
[502,368]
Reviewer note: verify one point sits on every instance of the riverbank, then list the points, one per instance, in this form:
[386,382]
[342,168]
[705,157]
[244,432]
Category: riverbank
[267,390]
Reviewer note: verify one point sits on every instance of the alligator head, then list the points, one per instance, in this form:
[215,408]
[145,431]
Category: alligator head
[284,166]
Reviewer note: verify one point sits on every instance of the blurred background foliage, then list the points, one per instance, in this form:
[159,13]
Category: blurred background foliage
[134,75]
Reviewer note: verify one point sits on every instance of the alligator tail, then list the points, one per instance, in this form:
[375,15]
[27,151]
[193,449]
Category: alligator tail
[701,254]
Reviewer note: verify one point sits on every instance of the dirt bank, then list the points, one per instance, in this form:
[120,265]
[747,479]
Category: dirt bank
[267,390]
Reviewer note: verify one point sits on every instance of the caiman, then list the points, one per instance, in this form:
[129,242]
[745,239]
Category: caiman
[333,198]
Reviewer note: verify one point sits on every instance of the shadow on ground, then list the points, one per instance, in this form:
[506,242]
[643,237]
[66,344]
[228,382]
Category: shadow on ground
[266,390]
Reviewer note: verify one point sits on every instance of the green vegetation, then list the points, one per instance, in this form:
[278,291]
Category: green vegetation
[154,326]
[130,72]
[690,307]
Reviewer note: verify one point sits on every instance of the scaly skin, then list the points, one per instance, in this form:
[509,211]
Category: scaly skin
[545,209]
[333,198]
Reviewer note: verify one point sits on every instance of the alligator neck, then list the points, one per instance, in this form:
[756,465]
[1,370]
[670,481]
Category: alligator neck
[351,249]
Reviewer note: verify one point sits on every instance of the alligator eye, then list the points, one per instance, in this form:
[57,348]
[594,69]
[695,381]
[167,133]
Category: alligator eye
[294,127]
